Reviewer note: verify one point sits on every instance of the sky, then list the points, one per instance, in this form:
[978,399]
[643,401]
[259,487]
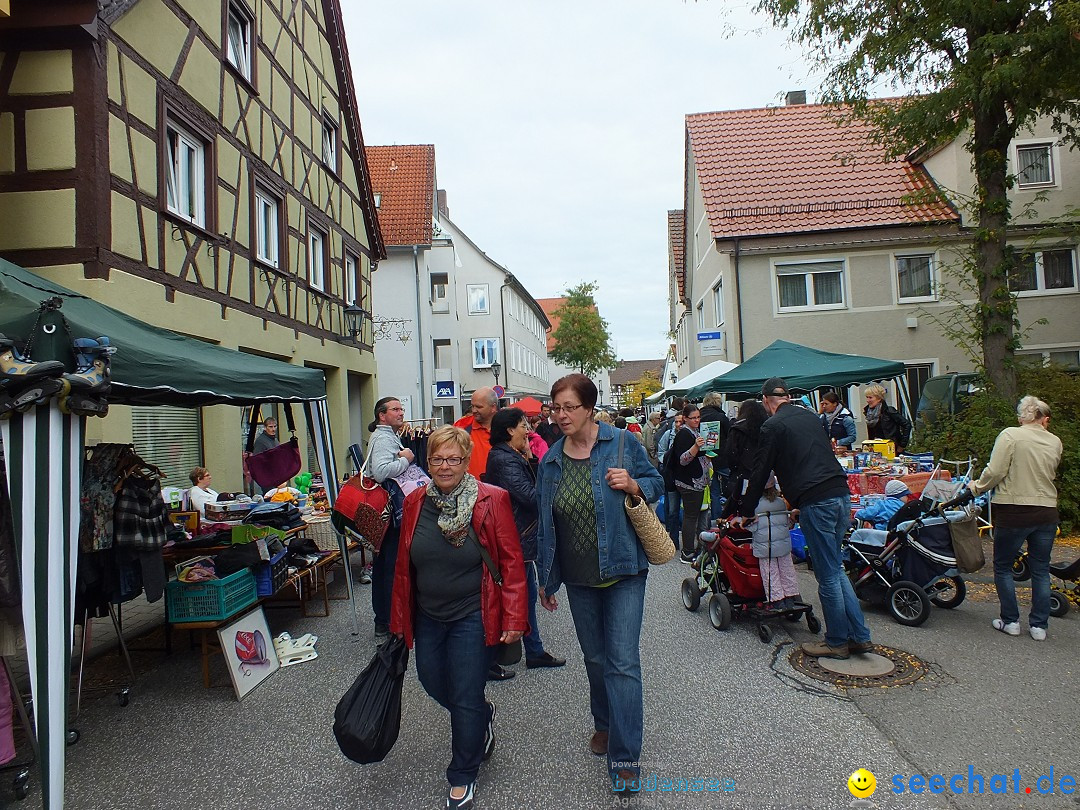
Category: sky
[558,126]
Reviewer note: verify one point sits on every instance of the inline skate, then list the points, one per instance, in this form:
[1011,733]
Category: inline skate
[85,389]
[24,383]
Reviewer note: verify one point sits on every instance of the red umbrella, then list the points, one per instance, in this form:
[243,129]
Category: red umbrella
[530,405]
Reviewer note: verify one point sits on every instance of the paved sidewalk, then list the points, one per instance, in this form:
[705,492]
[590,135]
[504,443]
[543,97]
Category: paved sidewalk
[719,705]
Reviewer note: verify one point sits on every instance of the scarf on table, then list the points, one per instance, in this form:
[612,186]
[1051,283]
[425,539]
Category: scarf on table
[455,509]
[873,415]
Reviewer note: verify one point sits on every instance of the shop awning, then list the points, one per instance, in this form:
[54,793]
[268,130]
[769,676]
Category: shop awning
[804,369]
[697,378]
[153,366]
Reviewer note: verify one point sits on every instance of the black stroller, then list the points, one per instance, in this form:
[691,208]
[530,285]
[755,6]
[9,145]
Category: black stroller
[915,567]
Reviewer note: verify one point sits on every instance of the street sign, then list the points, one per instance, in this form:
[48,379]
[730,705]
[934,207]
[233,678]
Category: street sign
[709,335]
[500,392]
[444,389]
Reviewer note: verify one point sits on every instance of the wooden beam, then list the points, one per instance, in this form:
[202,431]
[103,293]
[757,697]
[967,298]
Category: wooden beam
[5,8]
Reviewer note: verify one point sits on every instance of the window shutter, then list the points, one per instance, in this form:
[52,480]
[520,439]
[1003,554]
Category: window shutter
[169,438]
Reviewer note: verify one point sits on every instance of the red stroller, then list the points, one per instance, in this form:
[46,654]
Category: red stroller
[728,571]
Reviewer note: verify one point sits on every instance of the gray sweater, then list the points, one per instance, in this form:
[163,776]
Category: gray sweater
[383,452]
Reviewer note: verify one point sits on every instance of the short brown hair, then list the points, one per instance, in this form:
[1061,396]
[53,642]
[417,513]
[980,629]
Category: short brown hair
[448,434]
[197,475]
[578,384]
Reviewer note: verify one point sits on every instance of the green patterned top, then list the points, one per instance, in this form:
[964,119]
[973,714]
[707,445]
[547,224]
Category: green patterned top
[574,513]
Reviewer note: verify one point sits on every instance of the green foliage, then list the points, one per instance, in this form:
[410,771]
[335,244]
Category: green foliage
[973,431]
[582,340]
[644,386]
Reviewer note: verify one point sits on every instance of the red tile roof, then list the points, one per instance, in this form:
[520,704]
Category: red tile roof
[627,372]
[404,177]
[549,305]
[676,233]
[798,168]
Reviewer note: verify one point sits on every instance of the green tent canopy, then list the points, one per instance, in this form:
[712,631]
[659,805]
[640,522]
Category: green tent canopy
[803,368]
[152,366]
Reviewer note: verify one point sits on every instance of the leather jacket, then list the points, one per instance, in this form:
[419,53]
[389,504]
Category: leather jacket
[508,469]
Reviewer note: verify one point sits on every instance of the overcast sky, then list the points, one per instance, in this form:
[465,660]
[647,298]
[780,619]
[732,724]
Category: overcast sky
[558,126]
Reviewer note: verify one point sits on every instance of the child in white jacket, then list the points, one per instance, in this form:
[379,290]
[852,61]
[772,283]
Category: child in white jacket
[772,546]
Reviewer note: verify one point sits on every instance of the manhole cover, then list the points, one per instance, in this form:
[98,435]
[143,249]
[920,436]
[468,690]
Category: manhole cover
[884,667]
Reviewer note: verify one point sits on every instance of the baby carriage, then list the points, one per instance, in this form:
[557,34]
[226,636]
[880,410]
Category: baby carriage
[728,571]
[915,567]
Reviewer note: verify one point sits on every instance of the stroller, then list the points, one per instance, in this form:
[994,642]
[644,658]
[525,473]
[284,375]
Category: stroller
[728,571]
[1060,594]
[915,567]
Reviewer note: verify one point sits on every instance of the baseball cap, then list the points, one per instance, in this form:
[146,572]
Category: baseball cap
[774,387]
[896,489]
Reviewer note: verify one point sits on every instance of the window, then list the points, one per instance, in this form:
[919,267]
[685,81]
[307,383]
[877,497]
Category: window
[268,210]
[485,352]
[330,143]
[352,276]
[170,438]
[440,348]
[915,277]
[317,259]
[1044,271]
[718,303]
[810,285]
[185,174]
[378,200]
[440,301]
[478,299]
[701,316]
[1069,358]
[238,40]
[1034,164]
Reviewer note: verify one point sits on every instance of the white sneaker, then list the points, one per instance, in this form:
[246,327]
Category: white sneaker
[1010,629]
[1038,633]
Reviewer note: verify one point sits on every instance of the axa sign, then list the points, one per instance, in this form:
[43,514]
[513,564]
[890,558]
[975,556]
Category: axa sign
[444,389]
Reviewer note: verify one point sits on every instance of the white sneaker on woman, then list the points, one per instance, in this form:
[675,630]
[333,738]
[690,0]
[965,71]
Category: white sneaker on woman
[1038,633]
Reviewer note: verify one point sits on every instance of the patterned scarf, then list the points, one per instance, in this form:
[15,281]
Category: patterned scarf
[455,509]
[873,415]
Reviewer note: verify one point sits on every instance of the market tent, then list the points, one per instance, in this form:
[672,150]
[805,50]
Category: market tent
[702,375]
[43,451]
[531,405]
[803,368]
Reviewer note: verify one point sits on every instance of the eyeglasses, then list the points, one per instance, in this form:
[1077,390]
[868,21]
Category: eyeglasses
[453,461]
[568,408]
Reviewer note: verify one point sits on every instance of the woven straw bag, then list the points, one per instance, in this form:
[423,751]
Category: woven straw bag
[652,534]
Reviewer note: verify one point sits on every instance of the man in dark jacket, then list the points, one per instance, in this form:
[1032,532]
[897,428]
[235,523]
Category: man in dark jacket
[794,446]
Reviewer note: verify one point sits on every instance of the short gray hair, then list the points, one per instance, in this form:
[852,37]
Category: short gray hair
[713,399]
[1031,409]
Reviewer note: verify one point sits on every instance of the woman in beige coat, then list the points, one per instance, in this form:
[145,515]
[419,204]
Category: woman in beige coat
[1022,468]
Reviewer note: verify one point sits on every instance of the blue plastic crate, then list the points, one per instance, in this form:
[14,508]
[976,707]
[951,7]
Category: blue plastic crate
[210,601]
[269,577]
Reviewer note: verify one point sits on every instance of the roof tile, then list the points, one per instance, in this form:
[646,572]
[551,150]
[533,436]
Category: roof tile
[404,177]
[677,242]
[798,168]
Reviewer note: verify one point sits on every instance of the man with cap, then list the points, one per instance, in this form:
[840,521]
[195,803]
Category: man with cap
[794,446]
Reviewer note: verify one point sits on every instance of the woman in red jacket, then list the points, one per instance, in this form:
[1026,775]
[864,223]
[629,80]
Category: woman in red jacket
[454,534]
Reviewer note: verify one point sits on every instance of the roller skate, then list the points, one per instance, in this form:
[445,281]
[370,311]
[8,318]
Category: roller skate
[24,383]
[85,389]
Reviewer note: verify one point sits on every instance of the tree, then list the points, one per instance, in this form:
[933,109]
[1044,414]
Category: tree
[980,69]
[582,340]
[644,386]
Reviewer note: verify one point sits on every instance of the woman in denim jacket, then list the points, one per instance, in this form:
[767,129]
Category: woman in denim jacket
[586,542]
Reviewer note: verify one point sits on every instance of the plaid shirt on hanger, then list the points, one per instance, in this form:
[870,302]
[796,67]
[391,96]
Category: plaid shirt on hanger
[140,519]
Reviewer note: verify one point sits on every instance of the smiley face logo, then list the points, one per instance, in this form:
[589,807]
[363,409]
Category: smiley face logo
[862,784]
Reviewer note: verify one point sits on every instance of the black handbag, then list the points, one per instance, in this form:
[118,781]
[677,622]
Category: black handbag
[368,716]
[278,465]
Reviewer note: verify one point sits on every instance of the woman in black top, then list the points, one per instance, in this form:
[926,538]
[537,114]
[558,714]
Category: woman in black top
[883,421]
[690,476]
[508,467]
[739,450]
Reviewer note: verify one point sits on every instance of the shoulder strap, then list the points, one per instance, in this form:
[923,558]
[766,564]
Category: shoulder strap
[253,424]
[495,575]
[289,418]
[618,462]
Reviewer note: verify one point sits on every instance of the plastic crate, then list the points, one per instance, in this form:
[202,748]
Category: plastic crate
[269,577]
[210,601]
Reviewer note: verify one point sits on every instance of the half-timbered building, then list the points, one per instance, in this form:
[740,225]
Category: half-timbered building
[199,165]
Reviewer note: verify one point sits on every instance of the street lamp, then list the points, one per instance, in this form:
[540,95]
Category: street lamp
[600,390]
[495,369]
[354,320]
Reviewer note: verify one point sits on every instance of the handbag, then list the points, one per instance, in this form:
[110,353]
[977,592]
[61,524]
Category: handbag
[967,544]
[364,507]
[652,534]
[278,464]
[368,716]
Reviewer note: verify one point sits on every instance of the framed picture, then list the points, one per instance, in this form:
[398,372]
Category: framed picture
[249,651]
[478,299]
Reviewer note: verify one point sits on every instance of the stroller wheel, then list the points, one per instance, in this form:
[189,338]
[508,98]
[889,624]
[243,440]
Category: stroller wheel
[764,633]
[1020,568]
[813,624]
[1059,604]
[720,611]
[691,594]
[908,603]
[952,592]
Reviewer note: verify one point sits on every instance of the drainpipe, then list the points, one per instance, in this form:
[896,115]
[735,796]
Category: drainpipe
[502,322]
[420,333]
[738,300]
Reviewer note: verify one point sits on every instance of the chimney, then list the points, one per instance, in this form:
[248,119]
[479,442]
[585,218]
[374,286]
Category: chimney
[440,195]
[794,97]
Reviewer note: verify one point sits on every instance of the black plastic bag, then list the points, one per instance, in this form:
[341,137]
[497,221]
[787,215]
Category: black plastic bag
[368,717]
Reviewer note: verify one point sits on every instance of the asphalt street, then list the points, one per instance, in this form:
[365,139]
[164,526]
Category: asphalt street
[720,706]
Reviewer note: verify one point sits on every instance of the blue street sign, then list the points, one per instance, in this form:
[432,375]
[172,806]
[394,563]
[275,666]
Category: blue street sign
[444,389]
[709,335]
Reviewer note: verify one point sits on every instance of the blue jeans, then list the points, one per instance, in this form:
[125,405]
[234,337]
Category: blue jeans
[608,624]
[534,646]
[452,663]
[673,517]
[382,576]
[716,495]
[823,524]
[1007,543]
